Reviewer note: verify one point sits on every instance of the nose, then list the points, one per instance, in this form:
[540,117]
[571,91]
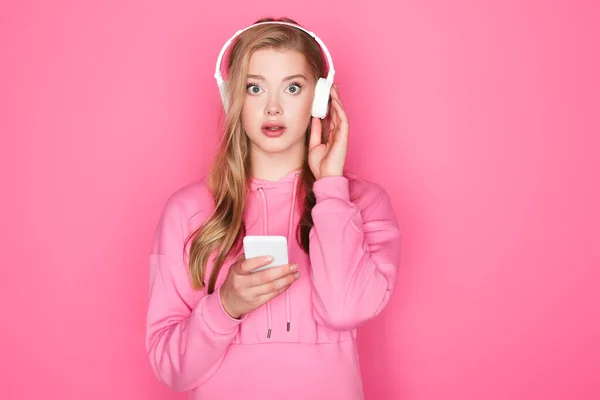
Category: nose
[272,107]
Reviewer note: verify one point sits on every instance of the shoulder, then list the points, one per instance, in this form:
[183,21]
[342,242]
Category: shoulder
[192,195]
[190,204]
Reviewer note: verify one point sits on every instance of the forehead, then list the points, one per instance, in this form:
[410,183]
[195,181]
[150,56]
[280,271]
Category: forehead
[277,64]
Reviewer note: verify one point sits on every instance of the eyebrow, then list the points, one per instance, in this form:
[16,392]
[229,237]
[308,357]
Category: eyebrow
[287,78]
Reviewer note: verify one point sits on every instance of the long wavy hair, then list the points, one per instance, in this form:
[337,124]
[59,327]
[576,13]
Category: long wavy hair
[220,236]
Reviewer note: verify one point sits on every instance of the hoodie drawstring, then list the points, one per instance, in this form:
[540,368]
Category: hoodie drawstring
[289,237]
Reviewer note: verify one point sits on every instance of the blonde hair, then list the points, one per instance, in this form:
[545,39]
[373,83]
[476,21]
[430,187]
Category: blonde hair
[221,234]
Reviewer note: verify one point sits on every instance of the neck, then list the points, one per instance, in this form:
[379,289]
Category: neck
[273,166]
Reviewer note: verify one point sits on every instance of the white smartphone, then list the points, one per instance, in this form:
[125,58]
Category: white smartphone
[267,245]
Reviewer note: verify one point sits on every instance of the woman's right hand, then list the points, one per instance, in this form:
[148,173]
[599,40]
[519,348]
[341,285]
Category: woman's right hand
[244,291]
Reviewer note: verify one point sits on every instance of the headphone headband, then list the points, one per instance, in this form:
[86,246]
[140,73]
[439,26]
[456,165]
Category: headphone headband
[331,70]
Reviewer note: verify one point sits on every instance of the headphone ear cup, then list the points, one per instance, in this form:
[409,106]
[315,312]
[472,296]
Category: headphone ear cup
[321,100]
[223,92]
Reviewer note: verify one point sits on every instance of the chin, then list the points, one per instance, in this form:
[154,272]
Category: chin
[276,145]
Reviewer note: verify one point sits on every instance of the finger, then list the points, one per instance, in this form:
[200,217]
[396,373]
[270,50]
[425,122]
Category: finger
[237,265]
[250,264]
[342,116]
[277,284]
[332,121]
[333,125]
[315,133]
[270,296]
[335,93]
[271,274]
[337,103]
[338,112]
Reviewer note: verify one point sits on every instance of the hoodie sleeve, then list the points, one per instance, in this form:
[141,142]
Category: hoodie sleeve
[185,339]
[354,253]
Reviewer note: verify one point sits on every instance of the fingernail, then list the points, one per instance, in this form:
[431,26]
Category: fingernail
[293,267]
[297,275]
[268,259]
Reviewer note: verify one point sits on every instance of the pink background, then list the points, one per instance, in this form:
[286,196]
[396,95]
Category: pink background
[480,119]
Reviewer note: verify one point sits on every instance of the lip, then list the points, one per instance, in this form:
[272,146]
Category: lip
[270,132]
[270,124]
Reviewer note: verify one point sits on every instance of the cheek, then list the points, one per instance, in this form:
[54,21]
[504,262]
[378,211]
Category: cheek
[308,100]
[249,113]
[302,108]
[307,105]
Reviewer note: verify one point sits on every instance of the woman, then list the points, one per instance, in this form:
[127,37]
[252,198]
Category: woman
[221,331]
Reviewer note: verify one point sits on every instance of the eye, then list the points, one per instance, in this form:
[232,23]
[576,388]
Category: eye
[252,88]
[294,88]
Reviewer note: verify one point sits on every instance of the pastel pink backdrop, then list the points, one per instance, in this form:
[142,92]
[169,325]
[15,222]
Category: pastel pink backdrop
[480,119]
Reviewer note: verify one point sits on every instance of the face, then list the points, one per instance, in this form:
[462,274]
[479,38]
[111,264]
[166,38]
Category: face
[277,107]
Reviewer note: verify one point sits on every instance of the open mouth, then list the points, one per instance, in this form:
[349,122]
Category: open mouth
[273,129]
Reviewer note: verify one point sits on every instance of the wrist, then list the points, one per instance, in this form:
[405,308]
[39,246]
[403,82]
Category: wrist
[330,174]
[226,305]
[332,187]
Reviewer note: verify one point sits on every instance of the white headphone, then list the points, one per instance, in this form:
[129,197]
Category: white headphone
[322,89]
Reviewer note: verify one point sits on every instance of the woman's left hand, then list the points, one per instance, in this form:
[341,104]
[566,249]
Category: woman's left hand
[327,159]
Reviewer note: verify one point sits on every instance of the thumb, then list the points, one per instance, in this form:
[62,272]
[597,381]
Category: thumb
[238,265]
[315,133]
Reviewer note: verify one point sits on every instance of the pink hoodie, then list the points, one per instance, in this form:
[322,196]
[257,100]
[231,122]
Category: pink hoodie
[194,345]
